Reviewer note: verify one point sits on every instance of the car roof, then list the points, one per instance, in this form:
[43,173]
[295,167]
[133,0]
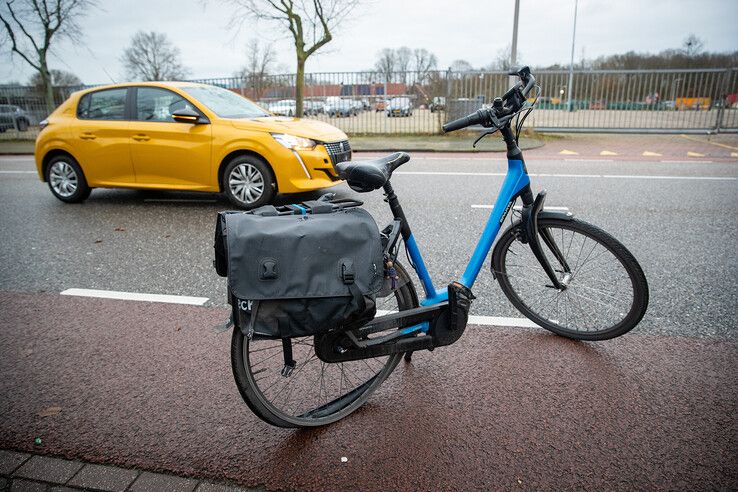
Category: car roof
[164,83]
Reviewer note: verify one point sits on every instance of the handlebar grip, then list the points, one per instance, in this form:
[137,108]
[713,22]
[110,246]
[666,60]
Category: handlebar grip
[529,85]
[473,119]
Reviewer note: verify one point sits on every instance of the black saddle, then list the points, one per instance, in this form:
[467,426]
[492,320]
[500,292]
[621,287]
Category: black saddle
[364,176]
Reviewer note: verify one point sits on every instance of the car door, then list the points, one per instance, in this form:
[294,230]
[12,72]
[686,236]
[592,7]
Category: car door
[100,138]
[166,153]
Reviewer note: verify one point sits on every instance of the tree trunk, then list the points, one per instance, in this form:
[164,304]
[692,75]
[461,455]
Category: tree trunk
[299,85]
[48,89]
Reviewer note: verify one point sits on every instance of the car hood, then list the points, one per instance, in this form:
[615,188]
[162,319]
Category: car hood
[317,130]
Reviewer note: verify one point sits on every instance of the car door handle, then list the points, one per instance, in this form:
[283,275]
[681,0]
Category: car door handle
[87,136]
[141,138]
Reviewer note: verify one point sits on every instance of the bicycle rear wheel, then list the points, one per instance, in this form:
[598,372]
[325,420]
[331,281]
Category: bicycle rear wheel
[316,393]
[606,291]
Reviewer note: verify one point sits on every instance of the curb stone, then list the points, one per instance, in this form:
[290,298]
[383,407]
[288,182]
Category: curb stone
[26,472]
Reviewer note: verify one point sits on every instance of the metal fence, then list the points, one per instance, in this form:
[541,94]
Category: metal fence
[420,102]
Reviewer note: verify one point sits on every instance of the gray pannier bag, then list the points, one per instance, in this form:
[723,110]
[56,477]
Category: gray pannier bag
[299,275]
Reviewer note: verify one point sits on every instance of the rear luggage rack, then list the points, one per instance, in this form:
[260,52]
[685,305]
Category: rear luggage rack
[325,204]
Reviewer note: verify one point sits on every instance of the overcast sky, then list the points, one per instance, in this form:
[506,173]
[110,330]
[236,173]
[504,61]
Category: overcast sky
[452,29]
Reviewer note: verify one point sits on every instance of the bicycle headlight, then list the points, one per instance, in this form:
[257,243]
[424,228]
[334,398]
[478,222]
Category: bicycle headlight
[293,142]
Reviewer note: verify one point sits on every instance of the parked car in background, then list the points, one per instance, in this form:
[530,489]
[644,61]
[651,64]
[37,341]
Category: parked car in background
[437,104]
[13,117]
[312,107]
[183,136]
[380,105]
[286,107]
[357,105]
[337,107]
[399,106]
[365,104]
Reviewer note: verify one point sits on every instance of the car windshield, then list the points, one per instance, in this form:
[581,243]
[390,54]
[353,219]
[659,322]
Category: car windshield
[225,103]
[399,101]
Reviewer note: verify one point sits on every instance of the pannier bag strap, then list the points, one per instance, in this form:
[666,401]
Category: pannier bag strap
[252,320]
[289,362]
[318,206]
[266,211]
[349,276]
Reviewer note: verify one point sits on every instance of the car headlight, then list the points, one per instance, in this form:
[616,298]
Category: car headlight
[293,142]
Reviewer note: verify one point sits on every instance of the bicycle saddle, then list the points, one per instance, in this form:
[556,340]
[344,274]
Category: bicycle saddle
[365,176]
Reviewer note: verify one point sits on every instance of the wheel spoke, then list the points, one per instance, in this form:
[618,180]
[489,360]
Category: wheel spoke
[598,292]
[313,384]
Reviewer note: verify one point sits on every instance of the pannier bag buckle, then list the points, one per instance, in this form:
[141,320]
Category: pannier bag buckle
[347,272]
[268,269]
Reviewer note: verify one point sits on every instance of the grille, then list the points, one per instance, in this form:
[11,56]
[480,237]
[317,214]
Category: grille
[339,151]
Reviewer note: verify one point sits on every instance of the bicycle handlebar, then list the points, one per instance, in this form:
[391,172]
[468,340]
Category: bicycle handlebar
[512,102]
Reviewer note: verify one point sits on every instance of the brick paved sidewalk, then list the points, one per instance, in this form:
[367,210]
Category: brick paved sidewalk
[29,472]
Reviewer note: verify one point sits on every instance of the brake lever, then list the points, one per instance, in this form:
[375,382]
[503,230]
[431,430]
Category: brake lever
[488,132]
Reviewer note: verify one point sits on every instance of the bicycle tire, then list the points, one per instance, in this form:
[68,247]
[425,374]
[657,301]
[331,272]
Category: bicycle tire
[544,308]
[267,410]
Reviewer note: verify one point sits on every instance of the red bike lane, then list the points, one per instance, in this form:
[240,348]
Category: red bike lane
[149,386]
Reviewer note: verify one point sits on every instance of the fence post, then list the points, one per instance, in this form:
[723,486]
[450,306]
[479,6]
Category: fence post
[447,96]
[725,90]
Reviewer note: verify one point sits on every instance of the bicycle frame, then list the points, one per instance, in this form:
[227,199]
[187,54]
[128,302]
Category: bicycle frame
[442,316]
[515,184]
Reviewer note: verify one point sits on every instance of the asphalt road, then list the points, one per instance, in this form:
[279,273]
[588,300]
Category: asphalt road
[148,385]
[677,218]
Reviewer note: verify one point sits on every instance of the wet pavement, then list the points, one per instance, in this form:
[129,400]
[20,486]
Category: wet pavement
[149,386]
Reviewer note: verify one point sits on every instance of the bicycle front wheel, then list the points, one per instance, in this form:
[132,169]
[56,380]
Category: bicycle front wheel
[315,393]
[606,292]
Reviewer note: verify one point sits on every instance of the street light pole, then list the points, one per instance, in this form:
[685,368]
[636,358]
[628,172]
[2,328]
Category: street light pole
[514,49]
[571,64]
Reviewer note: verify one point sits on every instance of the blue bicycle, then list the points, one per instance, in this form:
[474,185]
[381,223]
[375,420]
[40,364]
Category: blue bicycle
[564,274]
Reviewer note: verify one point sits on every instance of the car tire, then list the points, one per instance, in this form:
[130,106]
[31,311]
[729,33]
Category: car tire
[23,125]
[66,179]
[247,182]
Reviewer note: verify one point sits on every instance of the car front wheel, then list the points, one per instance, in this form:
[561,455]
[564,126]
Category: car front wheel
[66,180]
[248,182]
[22,125]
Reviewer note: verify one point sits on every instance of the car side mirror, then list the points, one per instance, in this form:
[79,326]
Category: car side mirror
[187,115]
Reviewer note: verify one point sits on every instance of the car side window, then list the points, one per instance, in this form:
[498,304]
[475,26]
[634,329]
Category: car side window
[109,104]
[154,104]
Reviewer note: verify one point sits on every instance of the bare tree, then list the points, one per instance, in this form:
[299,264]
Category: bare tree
[386,64]
[503,59]
[34,25]
[423,61]
[59,78]
[259,62]
[693,45]
[310,22]
[461,66]
[151,56]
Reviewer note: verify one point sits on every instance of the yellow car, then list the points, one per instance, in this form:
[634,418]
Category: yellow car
[183,136]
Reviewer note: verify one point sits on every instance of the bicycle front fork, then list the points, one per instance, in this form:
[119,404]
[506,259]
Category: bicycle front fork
[530,232]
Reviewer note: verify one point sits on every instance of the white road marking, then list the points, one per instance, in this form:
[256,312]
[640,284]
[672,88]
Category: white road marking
[693,161]
[709,178]
[487,320]
[445,173]
[179,200]
[18,172]
[502,321]
[136,296]
[617,176]
[563,209]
